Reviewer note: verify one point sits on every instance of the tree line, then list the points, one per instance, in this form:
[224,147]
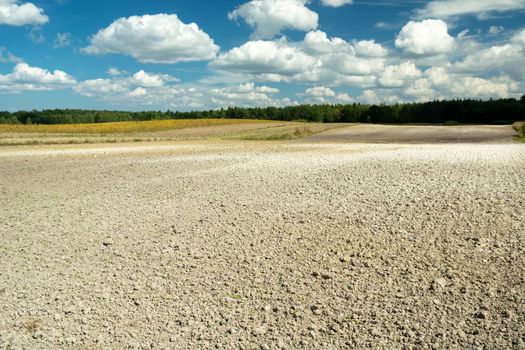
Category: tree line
[501,111]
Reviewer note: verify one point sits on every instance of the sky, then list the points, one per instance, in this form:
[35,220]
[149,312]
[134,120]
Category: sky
[201,54]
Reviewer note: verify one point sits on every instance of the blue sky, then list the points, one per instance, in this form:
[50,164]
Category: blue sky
[201,54]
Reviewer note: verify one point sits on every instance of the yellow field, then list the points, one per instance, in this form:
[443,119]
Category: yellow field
[122,127]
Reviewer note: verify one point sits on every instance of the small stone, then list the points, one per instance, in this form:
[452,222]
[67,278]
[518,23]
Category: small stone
[506,314]
[375,332]
[335,327]
[316,310]
[259,330]
[265,347]
[280,344]
[439,283]
[326,276]
[482,315]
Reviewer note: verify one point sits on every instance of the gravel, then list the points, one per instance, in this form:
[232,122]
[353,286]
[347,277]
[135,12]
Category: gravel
[247,245]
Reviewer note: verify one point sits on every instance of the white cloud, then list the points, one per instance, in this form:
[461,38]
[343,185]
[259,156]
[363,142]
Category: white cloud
[398,75]
[15,14]
[265,57]
[317,59]
[352,65]
[428,37]
[24,78]
[479,8]
[62,40]
[370,48]
[492,58]
[245,95]
[323,94]
[369,96]
[35,35]
[144,79]
[158,38]
[421,89]
[336,3]
[138,84]
[140,91]
[508,58]
[101,87]
[482,88]
[8,57]
[438,76]
[270,17]
[320,91]
[519,38]
[162,91]
[344,98]
[115,71]
[319,43]
[494,30]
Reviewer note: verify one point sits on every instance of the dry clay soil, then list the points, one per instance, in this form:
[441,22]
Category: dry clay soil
[311,244]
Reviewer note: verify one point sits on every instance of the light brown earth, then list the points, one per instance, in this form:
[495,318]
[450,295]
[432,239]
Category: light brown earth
[309,244]
[369,133]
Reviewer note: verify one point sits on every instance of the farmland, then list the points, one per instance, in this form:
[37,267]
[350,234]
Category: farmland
[158,130]
[323,241]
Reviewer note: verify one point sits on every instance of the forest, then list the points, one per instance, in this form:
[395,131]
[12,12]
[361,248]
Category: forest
[466,111]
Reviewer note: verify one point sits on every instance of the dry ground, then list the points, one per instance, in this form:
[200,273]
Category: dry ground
[158,130]
[263,245]
[419,134]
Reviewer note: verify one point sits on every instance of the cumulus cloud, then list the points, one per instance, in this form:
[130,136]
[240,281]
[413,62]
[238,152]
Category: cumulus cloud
[115,71]
[158,38]
[316,59]
[370,48]
[482,88]
[479,8]
[508,58]
[265,57]
[320,91]
[27,78]
[323,94]
[164,91]
[428,37]
[318,42]
[144,79]
[397,75]
[271,17]
[135,85]
[245,95]
[336,3]
[15,14]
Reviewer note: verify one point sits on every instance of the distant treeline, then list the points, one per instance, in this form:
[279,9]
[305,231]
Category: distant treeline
[500,111]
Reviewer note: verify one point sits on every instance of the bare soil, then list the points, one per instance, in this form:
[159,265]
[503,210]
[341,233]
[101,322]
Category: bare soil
[418,134]
[315,244]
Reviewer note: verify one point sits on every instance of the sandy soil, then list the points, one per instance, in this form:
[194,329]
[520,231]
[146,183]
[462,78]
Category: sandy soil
[419,134]
[263,245]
